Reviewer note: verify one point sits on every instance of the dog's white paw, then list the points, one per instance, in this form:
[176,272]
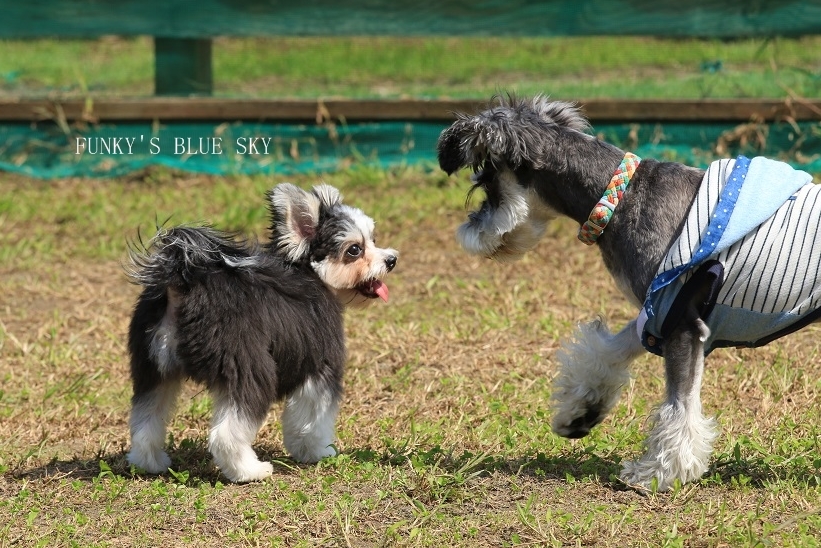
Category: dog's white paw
[641,473]
[152,462]
[678,448]
[307,453]
[249,471]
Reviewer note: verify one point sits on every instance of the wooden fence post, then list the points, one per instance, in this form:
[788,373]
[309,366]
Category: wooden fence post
[182,66]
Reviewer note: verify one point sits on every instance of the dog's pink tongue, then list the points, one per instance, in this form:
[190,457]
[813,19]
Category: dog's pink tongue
[381,289]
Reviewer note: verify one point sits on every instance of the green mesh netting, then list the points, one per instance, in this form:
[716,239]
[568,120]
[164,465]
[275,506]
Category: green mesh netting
[45,150]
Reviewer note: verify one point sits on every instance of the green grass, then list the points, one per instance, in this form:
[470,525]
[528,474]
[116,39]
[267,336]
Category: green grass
[444,427]
[431,67]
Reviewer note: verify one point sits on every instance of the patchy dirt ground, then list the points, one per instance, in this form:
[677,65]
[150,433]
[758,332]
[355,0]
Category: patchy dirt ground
[445,423]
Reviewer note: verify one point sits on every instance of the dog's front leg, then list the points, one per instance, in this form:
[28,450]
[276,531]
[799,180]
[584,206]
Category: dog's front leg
[308,420]
[594,366]
[233,430]
[681,441]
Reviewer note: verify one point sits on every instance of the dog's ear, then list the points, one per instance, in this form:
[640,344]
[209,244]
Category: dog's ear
[328,196]
[295,218]
[474,139]
[296,215]
[449,149]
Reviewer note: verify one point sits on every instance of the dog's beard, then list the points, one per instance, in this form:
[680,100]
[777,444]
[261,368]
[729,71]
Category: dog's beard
[506,232]
[505,248]
[519,241]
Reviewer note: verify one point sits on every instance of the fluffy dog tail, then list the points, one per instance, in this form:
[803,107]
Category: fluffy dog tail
[177,257]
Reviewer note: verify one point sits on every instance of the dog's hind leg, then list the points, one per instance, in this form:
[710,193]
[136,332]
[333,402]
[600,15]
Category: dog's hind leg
[681,441]
[150,412]
[308,420]
[156,381]
[233,431]
[594,366]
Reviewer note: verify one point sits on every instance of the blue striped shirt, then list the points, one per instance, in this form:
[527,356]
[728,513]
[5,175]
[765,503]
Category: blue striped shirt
[760,219]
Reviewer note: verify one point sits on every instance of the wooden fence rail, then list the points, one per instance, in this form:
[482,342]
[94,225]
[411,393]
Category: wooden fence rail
[206,108]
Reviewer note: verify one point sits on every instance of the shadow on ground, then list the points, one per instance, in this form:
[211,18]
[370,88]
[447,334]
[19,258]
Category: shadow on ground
[193,461]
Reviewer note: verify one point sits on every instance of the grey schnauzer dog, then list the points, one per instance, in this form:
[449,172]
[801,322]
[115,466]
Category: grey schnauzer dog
[701,253]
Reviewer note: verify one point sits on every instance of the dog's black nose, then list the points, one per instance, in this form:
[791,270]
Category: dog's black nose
[390,262]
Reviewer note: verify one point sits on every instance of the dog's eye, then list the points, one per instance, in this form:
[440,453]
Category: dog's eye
[354,251]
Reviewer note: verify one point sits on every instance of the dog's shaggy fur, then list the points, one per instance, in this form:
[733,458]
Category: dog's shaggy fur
[254,324]
[533,160]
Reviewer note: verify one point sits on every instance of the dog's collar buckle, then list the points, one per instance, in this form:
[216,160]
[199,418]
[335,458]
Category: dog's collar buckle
[603,212]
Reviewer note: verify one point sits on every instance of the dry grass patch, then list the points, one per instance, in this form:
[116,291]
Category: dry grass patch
[445,423]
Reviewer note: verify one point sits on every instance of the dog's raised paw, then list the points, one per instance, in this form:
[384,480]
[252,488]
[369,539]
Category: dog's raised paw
[580,426]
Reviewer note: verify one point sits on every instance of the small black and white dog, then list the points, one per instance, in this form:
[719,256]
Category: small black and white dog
[718,257]
[254,324]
